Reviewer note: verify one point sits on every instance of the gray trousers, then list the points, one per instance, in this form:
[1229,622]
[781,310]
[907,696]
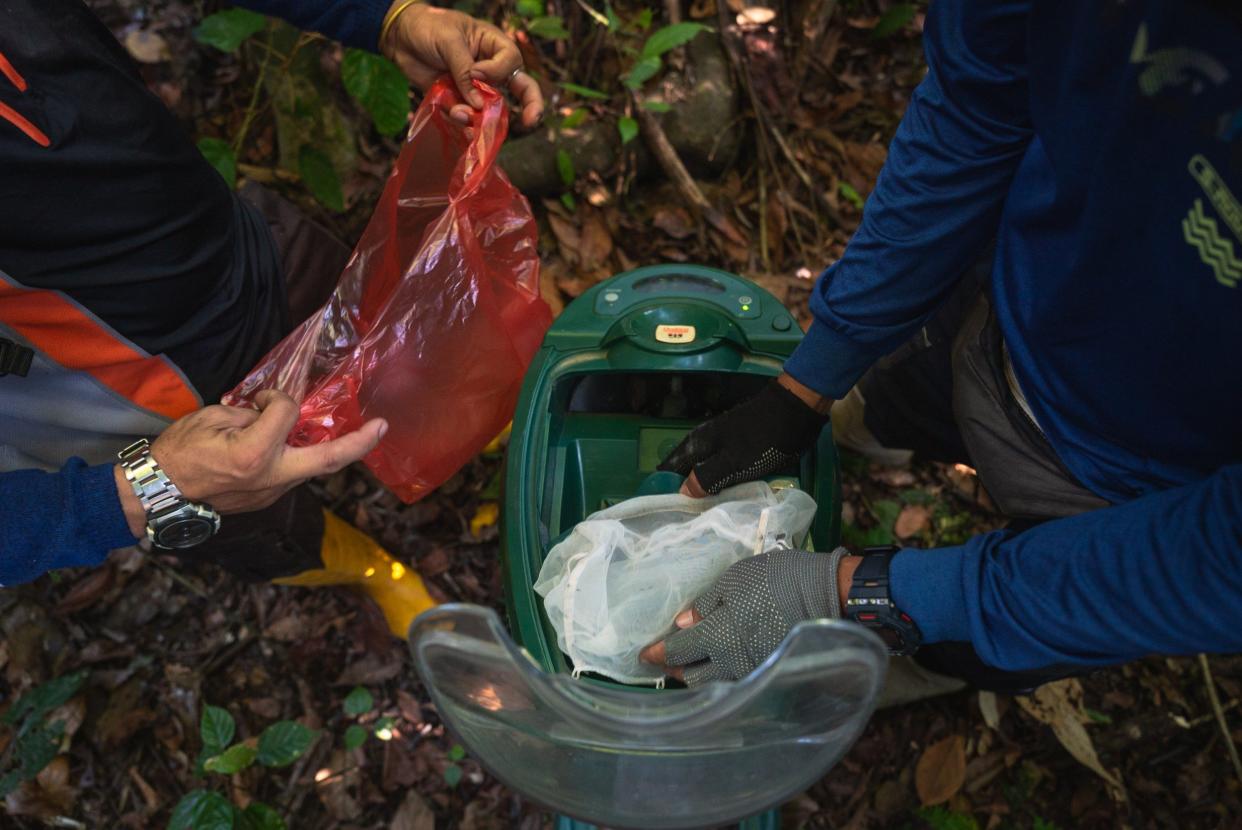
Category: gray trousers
[946,396]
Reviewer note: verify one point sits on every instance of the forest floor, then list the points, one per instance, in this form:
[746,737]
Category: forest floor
[160,639]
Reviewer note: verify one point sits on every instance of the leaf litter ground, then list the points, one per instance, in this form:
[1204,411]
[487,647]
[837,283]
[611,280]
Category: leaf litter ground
[161,638]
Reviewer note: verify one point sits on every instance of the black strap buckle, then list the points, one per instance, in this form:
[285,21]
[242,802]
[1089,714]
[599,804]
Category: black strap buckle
[14,358]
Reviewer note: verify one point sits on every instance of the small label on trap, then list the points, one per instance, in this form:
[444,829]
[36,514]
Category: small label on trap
[675,334]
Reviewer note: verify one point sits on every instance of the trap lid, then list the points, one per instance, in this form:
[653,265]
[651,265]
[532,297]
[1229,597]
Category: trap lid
[622,757]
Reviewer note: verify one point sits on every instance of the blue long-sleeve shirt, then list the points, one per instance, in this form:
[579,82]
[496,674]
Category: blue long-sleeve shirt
[74,516]
[1100,145]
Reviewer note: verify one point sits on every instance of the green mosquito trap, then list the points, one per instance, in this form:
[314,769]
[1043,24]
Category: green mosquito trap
[625,371]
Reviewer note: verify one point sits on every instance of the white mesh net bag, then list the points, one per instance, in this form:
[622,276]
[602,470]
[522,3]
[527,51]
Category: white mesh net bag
[614,585]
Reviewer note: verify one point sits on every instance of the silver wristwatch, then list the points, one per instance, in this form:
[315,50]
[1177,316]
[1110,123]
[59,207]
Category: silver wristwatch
[172,522]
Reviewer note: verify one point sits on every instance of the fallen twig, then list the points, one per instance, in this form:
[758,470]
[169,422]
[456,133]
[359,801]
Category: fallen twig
[766,124]
[670,162]
[1220,715]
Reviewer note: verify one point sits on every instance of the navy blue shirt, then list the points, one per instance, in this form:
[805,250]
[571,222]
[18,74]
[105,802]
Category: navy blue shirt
[1100,145]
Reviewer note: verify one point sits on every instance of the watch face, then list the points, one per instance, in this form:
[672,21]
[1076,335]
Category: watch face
[185,533]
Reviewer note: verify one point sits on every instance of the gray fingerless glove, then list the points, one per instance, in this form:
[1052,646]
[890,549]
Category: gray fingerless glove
[751,608]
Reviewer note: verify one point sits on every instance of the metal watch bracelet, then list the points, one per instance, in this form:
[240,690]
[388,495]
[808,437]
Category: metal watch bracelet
[161,500]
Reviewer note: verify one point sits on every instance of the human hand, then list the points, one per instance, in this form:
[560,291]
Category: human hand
[426,42]
[754,439]
[730,630]
[236,459]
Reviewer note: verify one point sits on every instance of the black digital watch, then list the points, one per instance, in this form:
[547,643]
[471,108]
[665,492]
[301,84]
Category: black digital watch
[870,605]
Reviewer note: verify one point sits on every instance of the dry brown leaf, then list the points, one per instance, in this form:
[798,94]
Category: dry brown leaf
[912,520]
[146,47]
[124,714]
[149,794]
[674,221]
[479,816]
[265,707]
[400,769]
[434,563]
[595,242]
[409,707]
[989,709]
[567,237]
[290,628]
[371,670]
[1059,705]
[550,291]
[894,476]
[890,799]
[333,784]
[87,590]
[843,103]
[867,159]
[941,770]
[70,715]
[49,795]
[703,8]
[413,814]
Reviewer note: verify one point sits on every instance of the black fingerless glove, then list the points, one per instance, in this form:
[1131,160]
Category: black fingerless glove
[754,439]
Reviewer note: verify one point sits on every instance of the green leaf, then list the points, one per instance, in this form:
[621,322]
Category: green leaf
[228,29]
[570,203]
[565,166]
[1098,717]
[656,106]
[320,177]
[216,728]
[456,753]
[358,702]
[259,816]
[10,782]
[34,751]
[379,86]
[628,128]
[551,27]
[642,21]
[670,37]
[584,91]
[493,491]
[642,71]
[284,742]
[896,18]
[886,512]
[916,496]
[574,118]
[851,195]
[452,775]
[355,736]
[234,759]
[614,22]
[44,698]
[941,818]
[531,8]
[202,810]
[219,154]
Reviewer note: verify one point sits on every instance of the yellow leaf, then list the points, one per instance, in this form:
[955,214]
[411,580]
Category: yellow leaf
[497,443]
[484,517]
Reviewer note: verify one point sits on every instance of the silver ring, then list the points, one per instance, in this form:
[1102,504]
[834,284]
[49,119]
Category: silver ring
[513,75]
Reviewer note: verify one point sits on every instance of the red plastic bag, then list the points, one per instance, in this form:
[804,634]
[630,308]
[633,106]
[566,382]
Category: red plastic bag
[436,316]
